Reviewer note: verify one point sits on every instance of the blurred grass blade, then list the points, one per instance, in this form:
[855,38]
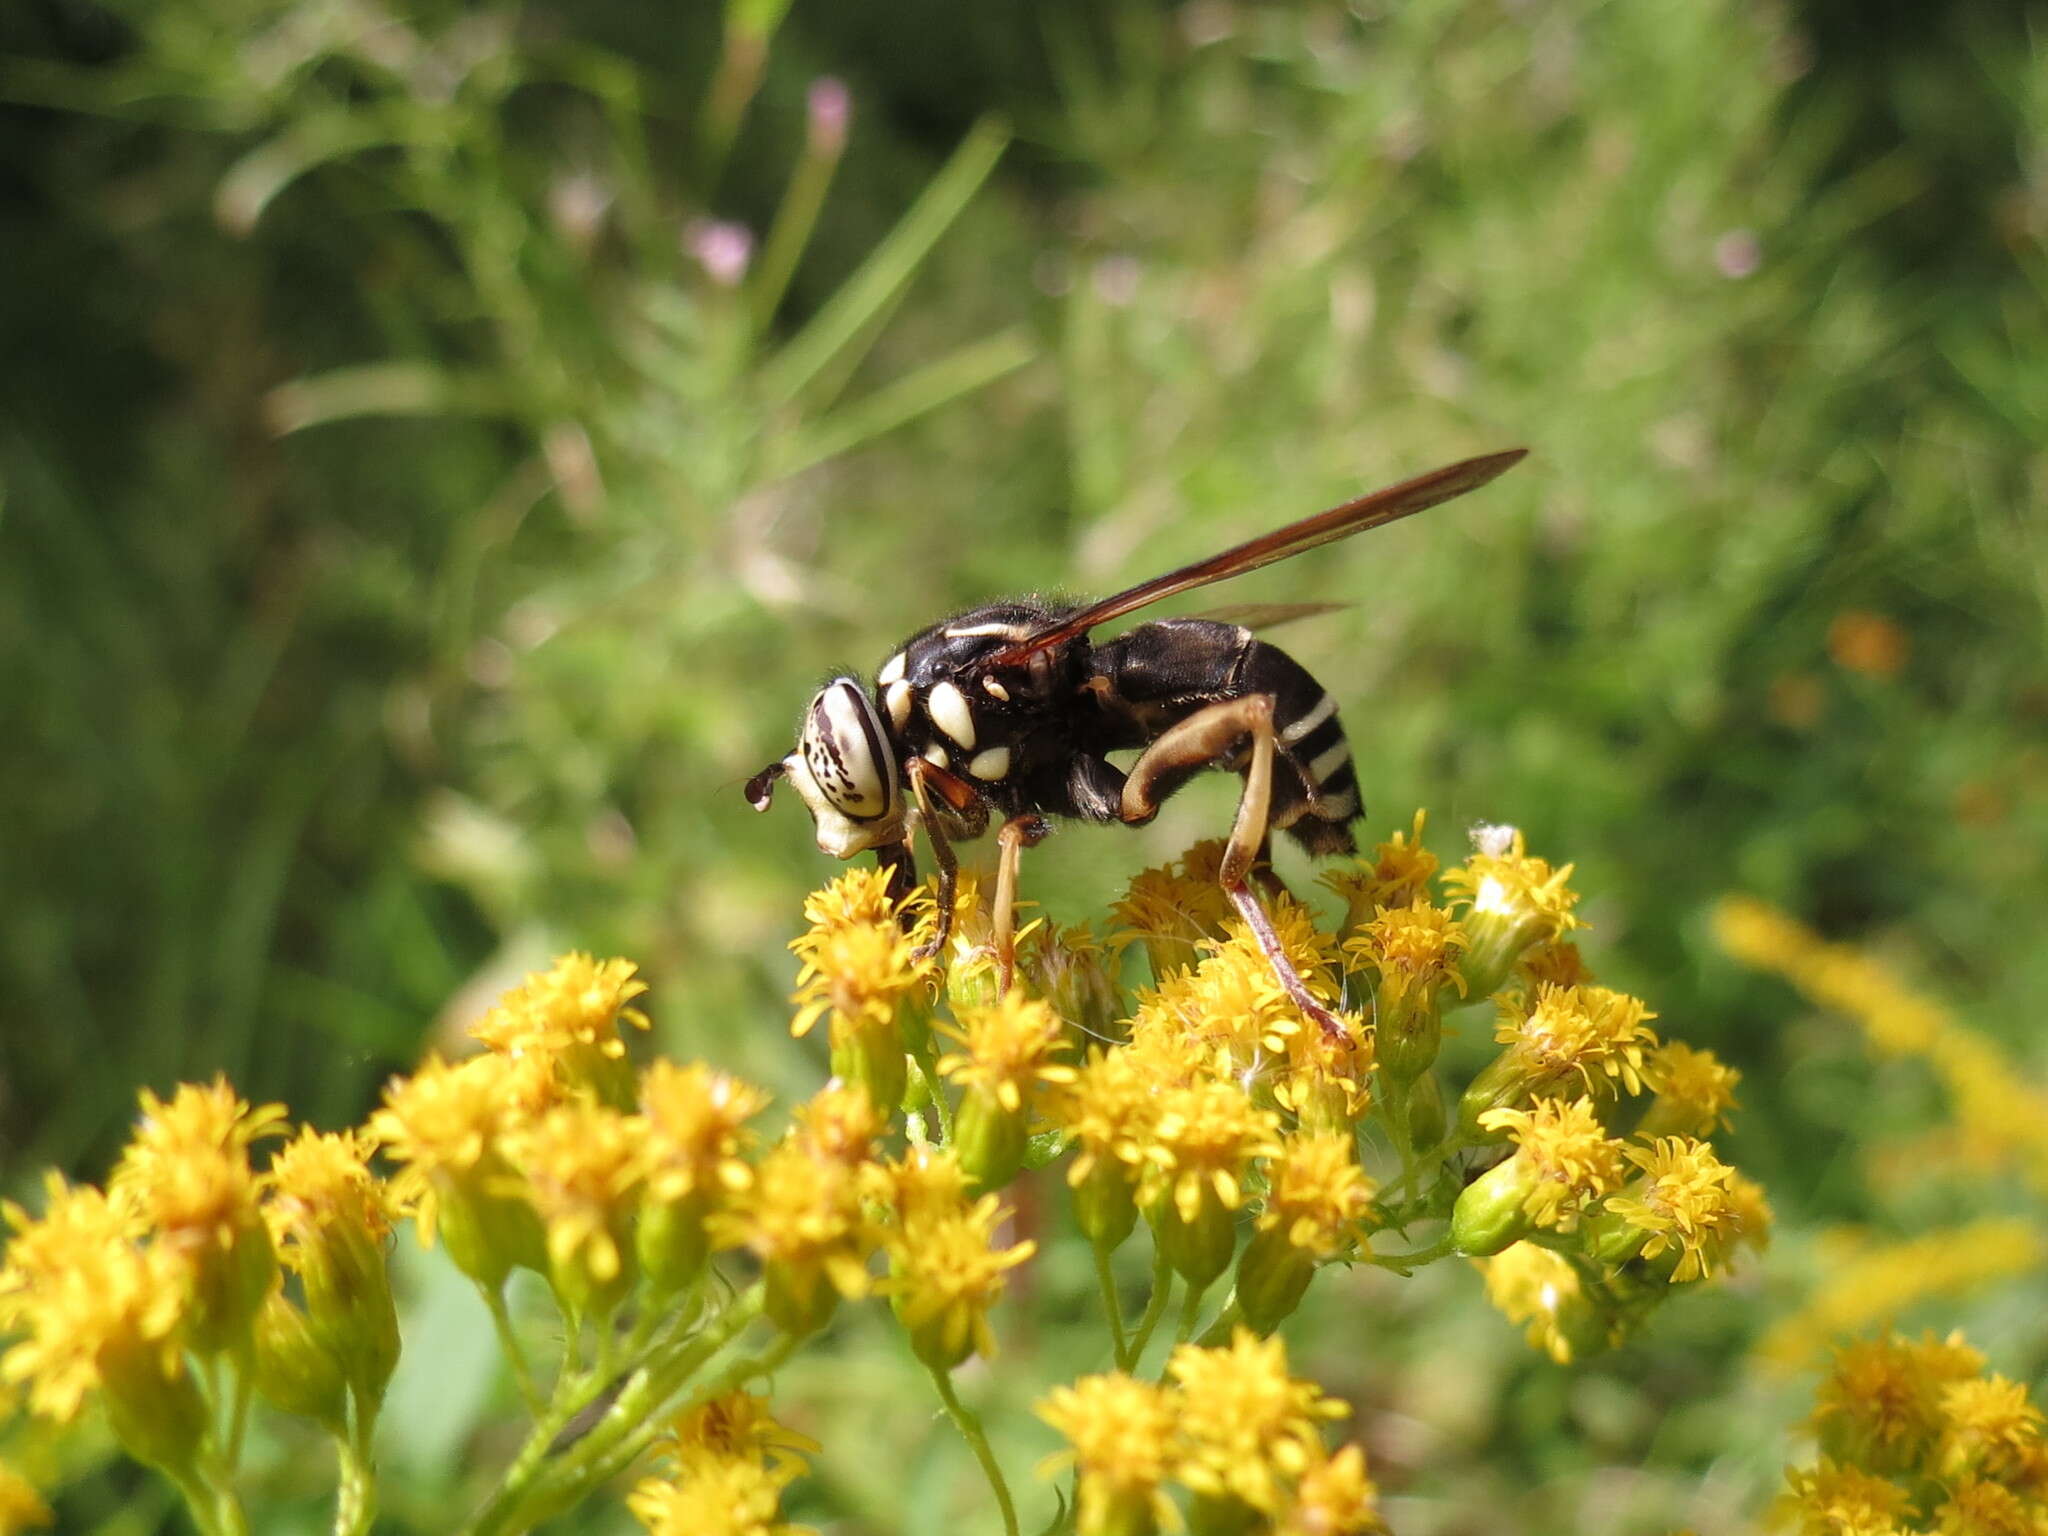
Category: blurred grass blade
[376,389]
[842,329]
[889,407]
[254,180]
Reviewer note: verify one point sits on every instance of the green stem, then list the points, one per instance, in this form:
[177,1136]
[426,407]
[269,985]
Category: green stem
[790,232]
[971,1431]
[515,1353]
[238,1415]
[201,1499]
[1226,1322]
[1162,1283]
[1111,1306]
[355,1505]
[1404,1263]
[927,1061]
[632,1420]
[1190,1310]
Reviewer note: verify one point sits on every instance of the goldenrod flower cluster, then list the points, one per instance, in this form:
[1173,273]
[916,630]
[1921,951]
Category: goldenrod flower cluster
[1258,1141]
[1229,1428]
[1915,1438]
[1999,1113]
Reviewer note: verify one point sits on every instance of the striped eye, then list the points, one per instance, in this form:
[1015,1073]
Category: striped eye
[848,753]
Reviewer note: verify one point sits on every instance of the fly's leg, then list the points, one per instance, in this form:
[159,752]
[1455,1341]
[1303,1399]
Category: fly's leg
[1017,834]
[897,861]
[942,855]
[940,793]
[1206,736]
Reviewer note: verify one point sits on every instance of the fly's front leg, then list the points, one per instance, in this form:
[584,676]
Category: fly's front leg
[1206,736]
[1017,834]
[938,790]
[897,861]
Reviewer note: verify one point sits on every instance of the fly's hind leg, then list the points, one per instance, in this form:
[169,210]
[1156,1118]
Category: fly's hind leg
[1207,736]
[1017,834]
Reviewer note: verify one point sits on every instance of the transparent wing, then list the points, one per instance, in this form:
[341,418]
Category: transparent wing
[1369,511]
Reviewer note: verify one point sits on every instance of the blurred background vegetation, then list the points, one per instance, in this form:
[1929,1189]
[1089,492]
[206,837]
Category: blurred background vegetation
[442,446]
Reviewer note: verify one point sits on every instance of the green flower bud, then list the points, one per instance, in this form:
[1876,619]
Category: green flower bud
[350,1308]
[1198,1250]
[1272,1277]
[991,1140]
[671,1241]
[294,1368]
[1502,1083]
[1427,1122]
[1407,1034]
[488,1235]
[1105,1205]
[228,1288]
[152,1404]
[1491,1213]
[1223,1515]
[874,1059]
[799,1301]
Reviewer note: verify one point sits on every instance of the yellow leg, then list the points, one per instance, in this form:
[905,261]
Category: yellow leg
[1209,735]
[1017,834]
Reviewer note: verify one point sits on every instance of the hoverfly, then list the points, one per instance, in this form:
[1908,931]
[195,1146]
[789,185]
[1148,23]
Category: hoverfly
[1011,709]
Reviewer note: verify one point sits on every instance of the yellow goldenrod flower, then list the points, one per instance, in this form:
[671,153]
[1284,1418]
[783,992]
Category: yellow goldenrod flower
[1512,900]
[1335,1497]
[1879,1406]
[584,1166]
[856,898]
[1530,1284]
[446,1124]
[696,1131]
[1685,1205]
[1174,909]
[330,1217]
[1563,1162]
[1832,1500]
[1411,953]
[1122,1437]
[1108,1110]
[736,1426]
[187,1170]
[866,979]
[1248,1430]
[569,1016]
[801,1215]
[1588,1040]
[93,1311]
[945,1273]
[1990,1429]
[1326,1080]
[1694,1092]
[1230,1012]
[1005,1071]
[1866,1284]
[21,1507]
[1975,1507]
[1316,1198]
[1197,1148]
[1397,875]
[729,1498]
[923,1184]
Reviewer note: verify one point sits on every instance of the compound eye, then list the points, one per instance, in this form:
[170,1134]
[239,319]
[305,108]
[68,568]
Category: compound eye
[848,754]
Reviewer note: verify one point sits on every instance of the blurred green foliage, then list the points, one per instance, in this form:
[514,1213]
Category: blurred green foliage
[410,542]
